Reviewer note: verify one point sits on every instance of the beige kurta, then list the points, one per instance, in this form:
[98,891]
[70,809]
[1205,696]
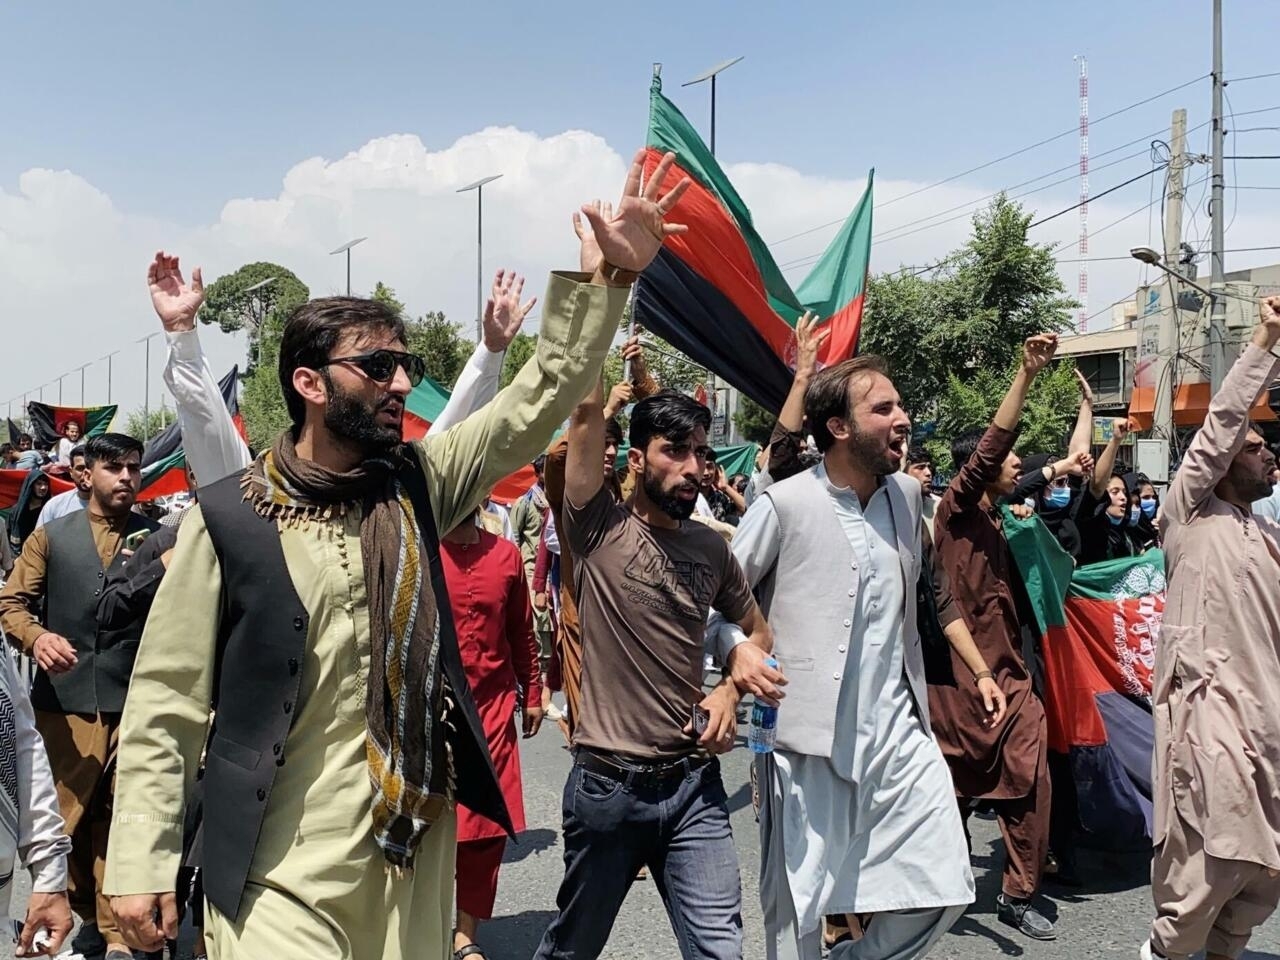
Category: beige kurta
[1216,689]
[317,884]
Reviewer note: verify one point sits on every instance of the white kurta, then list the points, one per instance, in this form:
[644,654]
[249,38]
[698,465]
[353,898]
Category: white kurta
[876,827]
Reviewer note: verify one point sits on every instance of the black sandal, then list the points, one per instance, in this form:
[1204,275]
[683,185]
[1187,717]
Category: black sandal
[470,950]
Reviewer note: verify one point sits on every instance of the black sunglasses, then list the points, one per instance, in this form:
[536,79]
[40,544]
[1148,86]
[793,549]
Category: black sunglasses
[380,365]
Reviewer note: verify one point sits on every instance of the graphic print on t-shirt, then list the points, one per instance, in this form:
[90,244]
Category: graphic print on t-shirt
[677,588]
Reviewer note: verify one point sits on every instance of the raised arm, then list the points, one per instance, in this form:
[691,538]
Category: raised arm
[1082,435]
[478,383]
[578,323]
[583,469]
[212,444]
[1107,460]
[1227,423]
[808,341]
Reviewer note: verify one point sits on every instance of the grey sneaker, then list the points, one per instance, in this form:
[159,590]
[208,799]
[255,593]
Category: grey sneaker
[1025,918]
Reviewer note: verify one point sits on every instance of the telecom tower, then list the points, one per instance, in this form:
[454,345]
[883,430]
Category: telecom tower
[1082,318]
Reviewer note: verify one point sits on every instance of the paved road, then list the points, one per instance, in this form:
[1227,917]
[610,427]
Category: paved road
[1107,918]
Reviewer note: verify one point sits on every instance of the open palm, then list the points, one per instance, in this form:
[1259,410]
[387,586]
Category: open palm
[504,313]
[174,301]
[634,235]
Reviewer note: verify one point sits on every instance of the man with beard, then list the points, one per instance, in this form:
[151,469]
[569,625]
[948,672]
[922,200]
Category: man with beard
[1003,763]
[857,814]
[69,501]
[306,601]
[49,608]
[1216,690]
[645,788]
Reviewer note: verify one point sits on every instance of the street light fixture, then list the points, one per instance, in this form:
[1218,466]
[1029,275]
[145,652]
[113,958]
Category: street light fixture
[108,359]
[1151,256]
[345,248]
[711,75]
[81,368]
[478,187]
[146,383]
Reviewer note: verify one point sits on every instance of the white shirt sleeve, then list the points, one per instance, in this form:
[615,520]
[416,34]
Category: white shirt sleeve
[42,844]
[755,547]
[476,386]
[212,444]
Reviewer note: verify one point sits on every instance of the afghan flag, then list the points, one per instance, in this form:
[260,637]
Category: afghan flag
[716,294]
[48,422]
[15,431]
[163,459]
[11,482]
[1099,626]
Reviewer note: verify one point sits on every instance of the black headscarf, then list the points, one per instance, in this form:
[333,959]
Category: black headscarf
[21,519]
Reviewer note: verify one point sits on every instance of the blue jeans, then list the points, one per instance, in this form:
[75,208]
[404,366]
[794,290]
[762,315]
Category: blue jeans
[613,825]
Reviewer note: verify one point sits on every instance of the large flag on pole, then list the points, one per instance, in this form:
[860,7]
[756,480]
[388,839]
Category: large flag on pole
[1099,626]
[716,293]
[48,421]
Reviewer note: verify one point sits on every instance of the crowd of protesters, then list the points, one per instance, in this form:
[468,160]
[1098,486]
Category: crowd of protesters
[291,712]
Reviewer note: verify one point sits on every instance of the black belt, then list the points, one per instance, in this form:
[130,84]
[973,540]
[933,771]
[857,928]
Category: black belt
[639,774]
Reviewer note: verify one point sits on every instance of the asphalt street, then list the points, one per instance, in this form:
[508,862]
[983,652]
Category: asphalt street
[1106,918]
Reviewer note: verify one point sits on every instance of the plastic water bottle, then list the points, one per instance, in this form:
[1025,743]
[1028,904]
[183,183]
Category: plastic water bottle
[763,732]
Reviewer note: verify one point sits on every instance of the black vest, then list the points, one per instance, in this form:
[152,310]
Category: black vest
[74,578]
[262,639]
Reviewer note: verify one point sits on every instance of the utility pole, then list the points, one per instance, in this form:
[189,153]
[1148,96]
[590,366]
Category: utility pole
[1166,368]
[1217,283]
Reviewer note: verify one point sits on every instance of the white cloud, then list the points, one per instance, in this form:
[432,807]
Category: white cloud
[72,263]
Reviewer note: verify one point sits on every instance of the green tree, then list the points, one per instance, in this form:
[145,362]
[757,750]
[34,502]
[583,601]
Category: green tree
[971,315]
[384,294]
[145,424]
[951,339]
[441,345]
[754,422]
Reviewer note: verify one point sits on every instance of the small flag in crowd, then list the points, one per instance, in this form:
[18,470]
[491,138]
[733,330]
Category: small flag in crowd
[48,421]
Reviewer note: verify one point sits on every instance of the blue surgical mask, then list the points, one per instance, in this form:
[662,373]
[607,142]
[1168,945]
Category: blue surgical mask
[1029,503]
[1149,508]
[1115,521]
[1134,514]
[1058,496]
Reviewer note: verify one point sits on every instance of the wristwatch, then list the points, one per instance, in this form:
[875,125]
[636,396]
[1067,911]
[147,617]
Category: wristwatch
[617,275]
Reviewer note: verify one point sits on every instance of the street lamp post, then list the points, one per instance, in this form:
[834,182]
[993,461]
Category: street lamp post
[345,248]
[1150,256]
[146,382]
[711,75]
[108,359]
[81,368]
[478,187]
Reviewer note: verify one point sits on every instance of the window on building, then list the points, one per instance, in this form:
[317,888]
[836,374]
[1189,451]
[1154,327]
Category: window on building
[1102,371]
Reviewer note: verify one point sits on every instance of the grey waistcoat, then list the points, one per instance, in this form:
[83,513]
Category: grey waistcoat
[74,578]
[810,599]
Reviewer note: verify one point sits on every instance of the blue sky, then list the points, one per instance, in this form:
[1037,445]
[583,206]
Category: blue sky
[173,112]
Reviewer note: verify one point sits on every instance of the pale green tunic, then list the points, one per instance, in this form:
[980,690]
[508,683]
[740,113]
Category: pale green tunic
[318,886]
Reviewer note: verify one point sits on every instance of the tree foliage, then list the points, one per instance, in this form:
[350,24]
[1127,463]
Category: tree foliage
[518,353]
[384,294]
[950,339]
[144,424]
[441,345]
[753,421]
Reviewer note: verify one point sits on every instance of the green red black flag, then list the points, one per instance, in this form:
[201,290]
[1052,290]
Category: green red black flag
[716,294]
[49,421]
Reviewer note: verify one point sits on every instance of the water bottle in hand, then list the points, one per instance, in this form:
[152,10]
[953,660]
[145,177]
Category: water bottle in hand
[763,732]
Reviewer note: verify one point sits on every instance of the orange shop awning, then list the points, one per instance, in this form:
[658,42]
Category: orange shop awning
[1190,404]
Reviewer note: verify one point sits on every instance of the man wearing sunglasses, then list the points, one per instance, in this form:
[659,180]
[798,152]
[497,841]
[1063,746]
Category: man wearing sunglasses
[306,600]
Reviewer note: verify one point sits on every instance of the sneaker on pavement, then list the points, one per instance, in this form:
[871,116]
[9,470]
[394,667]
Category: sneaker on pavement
[1148,952]
[553,713]
[1021,915]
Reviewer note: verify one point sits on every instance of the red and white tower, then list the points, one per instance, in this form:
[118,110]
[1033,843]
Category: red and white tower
[1082,293]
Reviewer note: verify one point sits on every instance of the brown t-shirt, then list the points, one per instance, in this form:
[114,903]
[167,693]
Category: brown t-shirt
[643,596]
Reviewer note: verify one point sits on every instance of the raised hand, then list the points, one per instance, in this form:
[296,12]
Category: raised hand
[1268,331]
[175,302]
[1086,391]
[633,237]
[1038,351]
[589,255]
[504,313]
[1120,429]
[621,395]
[809,339]
[1076,465]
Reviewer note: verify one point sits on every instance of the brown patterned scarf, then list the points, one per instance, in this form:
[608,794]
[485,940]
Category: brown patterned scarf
[407,696]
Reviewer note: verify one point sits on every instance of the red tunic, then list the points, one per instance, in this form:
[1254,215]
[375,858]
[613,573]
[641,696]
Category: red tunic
[494,620]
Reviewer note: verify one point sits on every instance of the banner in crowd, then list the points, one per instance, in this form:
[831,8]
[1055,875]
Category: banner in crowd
[716,294]
[49,421]
[163,459]
[15,431]
[11,485]
[1099,626]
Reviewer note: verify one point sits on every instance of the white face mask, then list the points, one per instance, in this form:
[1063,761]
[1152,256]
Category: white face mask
[1029,503]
